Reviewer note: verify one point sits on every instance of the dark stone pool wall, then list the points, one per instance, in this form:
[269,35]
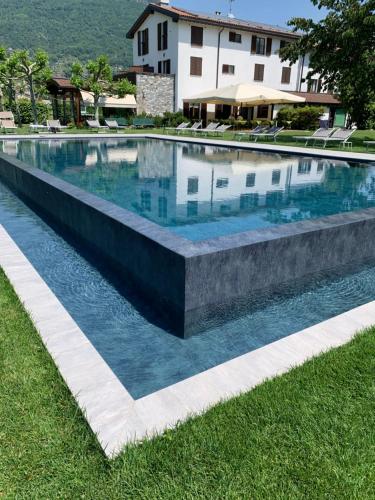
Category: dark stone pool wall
[194,283]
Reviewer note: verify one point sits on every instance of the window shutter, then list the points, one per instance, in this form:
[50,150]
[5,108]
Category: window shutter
[139,43]
[286,73]
[269,46]
[159,36]
[253,44]
[145,42]
[160,67]
[259,72]
[165,35]
[196,66]
[197,36]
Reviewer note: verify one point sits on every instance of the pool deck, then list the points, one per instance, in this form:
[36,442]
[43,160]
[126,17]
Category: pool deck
[271,147]
[114,416]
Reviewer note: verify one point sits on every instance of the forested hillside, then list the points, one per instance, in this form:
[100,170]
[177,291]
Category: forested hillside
[70,29]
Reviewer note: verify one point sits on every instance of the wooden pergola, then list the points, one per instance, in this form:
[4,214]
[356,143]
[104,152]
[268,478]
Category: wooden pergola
[65,94]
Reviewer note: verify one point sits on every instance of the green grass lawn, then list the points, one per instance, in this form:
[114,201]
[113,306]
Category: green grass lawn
[284,139]
[307,434]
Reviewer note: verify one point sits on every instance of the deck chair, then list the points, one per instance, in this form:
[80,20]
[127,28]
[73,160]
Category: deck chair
[210,128]
[320,133]
[195,126]
[341,135]
[219,131]
[95,125]
[8,126]
[182,126]
[271,133]
[256,130]
[113,125]
[55,126]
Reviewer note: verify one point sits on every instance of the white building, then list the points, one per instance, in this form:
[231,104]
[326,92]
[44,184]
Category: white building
[211,51]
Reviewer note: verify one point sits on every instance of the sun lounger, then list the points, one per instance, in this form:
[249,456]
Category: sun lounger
[219,131]
[113,125]
[55,126]
[320,133]
[271,133]
[193,128]
[6,115]
[210,128]
[7,126]
[256,130]
[95,125]
[36,127]
[340,135]
[182,126]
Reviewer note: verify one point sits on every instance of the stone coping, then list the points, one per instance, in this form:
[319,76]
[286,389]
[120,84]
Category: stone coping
[113,415]
[271,147]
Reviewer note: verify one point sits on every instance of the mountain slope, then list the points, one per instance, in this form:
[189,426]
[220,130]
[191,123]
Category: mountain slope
[70,29]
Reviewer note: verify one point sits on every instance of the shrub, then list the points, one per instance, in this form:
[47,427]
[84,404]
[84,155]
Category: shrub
[303,118]
[370,124]
[25,111]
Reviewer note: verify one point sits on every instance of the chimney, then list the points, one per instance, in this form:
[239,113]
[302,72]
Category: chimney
[164,3]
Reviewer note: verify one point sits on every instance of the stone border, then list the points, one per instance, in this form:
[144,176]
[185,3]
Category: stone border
[190,283]
[113,415]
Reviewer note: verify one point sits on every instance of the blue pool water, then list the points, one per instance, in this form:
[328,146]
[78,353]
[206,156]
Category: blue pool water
[202,192]
[144,356]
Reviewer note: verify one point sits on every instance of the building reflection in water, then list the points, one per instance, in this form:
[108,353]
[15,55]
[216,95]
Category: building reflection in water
[204,191]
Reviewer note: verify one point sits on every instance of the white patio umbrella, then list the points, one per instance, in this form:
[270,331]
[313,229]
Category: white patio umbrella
[245,94]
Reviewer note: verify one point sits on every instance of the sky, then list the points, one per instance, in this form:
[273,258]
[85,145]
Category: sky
[276,12]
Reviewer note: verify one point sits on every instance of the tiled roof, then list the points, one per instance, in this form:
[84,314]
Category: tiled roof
[211,20]
[63,83]
[317,98]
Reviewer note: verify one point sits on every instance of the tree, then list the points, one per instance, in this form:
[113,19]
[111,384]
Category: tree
[96,78]
[35,71]
[341,48]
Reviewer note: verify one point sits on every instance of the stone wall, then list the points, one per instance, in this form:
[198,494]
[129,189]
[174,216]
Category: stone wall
[155,93]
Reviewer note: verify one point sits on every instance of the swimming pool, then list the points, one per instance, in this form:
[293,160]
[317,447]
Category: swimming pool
[143,354]
[201,192]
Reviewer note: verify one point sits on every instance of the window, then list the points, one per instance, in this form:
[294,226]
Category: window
[143,42]
[163,207]
[192,208]
[222,183]
[196,66]
[163,36]
[259,72]
[314,85]
[304,166]
[276,176]
[283,43]
[146,200]
[320,166]
[228,69]
[261,46]
[235,37]
[164,183]
[196,36]
[249,200]
[250,180]
[286,74]
[193,184]
[262,112]
[164,67]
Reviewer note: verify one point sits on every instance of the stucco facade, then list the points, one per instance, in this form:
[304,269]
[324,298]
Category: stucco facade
[216,50]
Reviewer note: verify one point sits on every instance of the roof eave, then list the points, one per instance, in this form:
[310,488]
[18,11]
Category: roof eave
[151,8]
